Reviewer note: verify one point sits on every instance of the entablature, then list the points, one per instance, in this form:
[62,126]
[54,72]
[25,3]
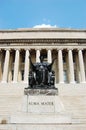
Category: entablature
[42,41]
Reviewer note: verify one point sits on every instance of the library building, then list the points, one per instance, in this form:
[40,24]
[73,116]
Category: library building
[59,108]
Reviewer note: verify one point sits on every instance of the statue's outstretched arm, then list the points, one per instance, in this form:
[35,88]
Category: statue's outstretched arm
[53,61]
[51,64]
[32,65]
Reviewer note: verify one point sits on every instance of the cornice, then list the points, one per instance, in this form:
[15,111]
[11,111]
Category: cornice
[42,30]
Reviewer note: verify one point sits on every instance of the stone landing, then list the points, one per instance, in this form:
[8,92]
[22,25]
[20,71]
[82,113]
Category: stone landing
[28,118]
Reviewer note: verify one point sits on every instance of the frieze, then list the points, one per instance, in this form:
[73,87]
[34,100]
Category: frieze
[39,41]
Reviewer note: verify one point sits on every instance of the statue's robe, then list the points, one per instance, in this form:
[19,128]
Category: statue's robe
[41,73]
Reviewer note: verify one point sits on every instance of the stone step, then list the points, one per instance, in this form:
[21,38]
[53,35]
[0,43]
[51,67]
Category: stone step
[11,91]
[41,118]
[79,120]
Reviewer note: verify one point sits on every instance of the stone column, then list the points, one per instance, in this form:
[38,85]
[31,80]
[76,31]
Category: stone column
[0,64]
[26,69]
[81,65]
[16,66]
[71,66]
[10,68]
[85,62]
[60,66]
[6,66]
[37,55]
[49,56]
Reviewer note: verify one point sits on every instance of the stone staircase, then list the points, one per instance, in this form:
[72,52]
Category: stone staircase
[72,97]
[10,99]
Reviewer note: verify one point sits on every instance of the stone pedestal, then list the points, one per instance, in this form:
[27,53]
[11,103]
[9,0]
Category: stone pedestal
[41,106]
[42,101]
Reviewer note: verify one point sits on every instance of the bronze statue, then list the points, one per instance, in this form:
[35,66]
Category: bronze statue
[41,74]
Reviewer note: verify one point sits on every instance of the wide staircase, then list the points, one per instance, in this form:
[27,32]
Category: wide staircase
[73,97]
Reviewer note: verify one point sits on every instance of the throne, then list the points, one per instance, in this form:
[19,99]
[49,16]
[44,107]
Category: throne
[41,75]
[37,81]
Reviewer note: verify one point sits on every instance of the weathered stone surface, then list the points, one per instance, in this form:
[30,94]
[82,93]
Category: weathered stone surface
[41,91]
[43,127]
[40,108]
[43,104]
[59,118]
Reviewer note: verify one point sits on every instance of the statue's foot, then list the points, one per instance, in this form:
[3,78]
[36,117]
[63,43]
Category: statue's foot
[27,88]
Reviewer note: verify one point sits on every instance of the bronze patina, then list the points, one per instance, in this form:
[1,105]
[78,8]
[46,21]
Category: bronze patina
[41,74]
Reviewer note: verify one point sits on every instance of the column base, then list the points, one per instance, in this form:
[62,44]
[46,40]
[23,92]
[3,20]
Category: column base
[72,82]
[61,82]
[26,82]
[3,81]
[83,82]
[14,82]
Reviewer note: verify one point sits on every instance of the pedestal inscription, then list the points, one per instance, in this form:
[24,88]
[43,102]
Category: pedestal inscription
[37,102]
[41,104]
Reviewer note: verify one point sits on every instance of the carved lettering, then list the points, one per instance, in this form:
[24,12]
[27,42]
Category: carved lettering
[41,103]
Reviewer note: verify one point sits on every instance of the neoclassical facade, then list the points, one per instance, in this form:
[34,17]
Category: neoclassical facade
[70,66]
[68,46]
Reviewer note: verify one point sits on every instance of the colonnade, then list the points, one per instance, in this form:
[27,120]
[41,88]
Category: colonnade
[59,70]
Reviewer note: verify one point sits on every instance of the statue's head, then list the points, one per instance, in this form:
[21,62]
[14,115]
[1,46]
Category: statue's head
[41,58]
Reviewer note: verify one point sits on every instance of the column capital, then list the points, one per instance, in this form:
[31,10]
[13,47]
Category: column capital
[38,49]
[79,49]
[17,49]
[49,49]
[70,49]
[60,49]
[27,49]
[1,49]
[7,49]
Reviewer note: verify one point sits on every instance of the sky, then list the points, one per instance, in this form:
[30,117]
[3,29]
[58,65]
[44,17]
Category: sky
[42,13]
